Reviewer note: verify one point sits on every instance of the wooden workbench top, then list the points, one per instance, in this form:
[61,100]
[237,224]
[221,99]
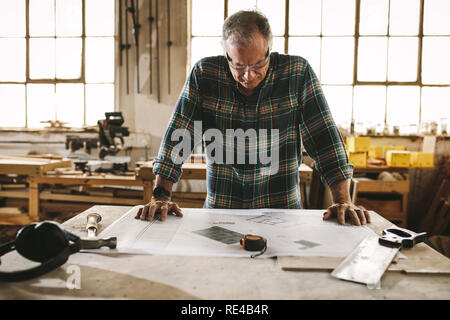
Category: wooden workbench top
[184,277]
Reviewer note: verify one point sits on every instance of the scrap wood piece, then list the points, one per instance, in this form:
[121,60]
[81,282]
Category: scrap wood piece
[30,166]
[11,210]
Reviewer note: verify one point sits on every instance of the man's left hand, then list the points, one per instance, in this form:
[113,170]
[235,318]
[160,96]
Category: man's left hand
[358,214]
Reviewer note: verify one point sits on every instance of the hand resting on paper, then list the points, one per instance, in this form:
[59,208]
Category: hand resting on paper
[358,214]
[160,207]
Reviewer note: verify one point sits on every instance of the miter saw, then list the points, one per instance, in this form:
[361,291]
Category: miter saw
[111,134]
[110,141]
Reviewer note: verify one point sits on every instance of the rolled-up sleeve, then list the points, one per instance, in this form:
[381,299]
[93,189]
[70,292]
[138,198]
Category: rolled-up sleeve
[320,134]
[168,163]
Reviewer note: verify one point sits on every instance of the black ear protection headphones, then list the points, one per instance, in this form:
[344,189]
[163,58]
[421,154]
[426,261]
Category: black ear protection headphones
[46,242]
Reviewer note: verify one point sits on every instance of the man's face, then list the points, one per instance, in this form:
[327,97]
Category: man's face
[248,64]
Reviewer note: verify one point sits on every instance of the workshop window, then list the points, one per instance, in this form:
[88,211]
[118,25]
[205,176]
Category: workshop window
[383,63]
[56,62]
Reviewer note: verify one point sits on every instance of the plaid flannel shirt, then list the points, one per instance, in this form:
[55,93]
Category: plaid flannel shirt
[290,99]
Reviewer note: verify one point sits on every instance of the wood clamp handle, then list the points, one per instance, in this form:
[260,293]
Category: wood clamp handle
[92,220]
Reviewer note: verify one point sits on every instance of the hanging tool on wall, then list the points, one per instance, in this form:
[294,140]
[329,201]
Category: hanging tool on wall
[120,33]
[134,11]
[150,21]
[157,51]
[127,46]
[169,44]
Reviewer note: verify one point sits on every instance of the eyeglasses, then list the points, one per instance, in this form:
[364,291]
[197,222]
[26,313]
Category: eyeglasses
[259,65]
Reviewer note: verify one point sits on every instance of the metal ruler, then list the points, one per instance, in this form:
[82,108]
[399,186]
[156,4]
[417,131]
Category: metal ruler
[370,259]
[366,263]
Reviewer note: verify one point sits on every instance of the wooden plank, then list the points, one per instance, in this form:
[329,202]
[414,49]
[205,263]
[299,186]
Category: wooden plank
[14,219]
[382,186]
[45,195]
[21,194]
[10,210]
[90,180]
[33,200]
[378,169]
[29,166]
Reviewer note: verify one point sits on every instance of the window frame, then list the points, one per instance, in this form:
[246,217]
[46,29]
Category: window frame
[356,36]
[55,81]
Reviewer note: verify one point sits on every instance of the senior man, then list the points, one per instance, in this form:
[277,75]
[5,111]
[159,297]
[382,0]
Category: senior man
[251,89]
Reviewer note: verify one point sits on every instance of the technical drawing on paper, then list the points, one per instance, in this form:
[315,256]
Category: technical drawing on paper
[216,232]
[220,234]
[307,244]
[268,219]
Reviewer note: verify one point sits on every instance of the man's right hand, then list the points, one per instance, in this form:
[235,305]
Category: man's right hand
[163,206]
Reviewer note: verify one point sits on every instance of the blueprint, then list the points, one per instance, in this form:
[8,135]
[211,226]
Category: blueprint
[216,232]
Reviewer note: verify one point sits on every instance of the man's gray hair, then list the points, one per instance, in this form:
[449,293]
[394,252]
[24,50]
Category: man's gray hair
[240,27]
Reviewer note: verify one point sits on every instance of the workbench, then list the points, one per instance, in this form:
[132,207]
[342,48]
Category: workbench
[184,277]
[144,178]
[197,171]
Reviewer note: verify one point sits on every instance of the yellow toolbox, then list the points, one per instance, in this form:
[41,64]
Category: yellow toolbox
[358,144]
[386,148]
[395,158]
[400,148]
[422,159]
[376,152]
[358,159]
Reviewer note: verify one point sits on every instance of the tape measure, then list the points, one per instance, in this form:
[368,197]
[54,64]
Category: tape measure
[252,242]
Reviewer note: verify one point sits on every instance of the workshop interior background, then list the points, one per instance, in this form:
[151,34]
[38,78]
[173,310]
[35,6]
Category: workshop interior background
[383,65]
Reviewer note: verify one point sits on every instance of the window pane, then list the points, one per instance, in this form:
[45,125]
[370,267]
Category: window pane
[404,17]
[42,17]
[100,18]
[278,44]
[372,58]
[68,58]
[436,62]
[338,17]
[42,58]
[12,103]
[68,17]
[70,103]
[339,99]
[12,18]
[236,5]
[403,105]
[304,17]
[99,99]
[403,54]
[435,104]
[373,17]
[99,59]
[275,13]
[337,60]
[308,48]
[369,105]
[436,17]
[204,47]
[12,62]
[207,17]
[40,104]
